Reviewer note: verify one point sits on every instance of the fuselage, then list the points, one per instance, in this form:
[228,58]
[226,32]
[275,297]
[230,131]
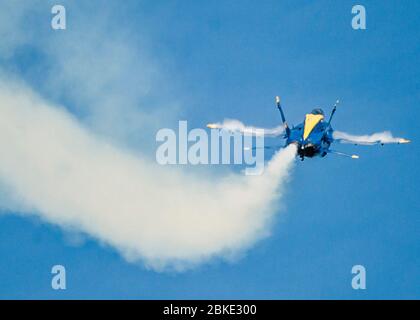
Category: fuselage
[312,137]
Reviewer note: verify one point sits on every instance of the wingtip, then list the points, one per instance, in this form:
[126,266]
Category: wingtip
[404,141]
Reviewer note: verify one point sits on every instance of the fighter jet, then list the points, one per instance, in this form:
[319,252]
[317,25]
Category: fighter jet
[314,136]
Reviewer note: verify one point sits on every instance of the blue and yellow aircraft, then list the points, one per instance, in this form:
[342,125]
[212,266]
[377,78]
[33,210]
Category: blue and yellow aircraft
[314,136]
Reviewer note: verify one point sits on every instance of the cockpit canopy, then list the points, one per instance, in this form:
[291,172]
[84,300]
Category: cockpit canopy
[318,111]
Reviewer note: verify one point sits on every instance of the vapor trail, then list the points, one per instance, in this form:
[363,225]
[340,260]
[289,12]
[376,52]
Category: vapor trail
[53,167]
[237,126]
[382,137]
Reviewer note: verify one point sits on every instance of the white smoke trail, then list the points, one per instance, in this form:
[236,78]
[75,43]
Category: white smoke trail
[55,168]
[105,70]
[380,137]
[237,126]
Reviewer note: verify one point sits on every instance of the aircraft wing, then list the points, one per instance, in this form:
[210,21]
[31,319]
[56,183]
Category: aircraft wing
[237,126]
[376,138]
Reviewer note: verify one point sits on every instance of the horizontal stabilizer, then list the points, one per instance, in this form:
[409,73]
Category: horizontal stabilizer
[353,156]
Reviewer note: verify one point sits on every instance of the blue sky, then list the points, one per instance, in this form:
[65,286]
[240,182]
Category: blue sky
[227,59]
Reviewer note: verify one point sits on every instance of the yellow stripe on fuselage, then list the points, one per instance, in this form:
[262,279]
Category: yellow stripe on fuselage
[311,120]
